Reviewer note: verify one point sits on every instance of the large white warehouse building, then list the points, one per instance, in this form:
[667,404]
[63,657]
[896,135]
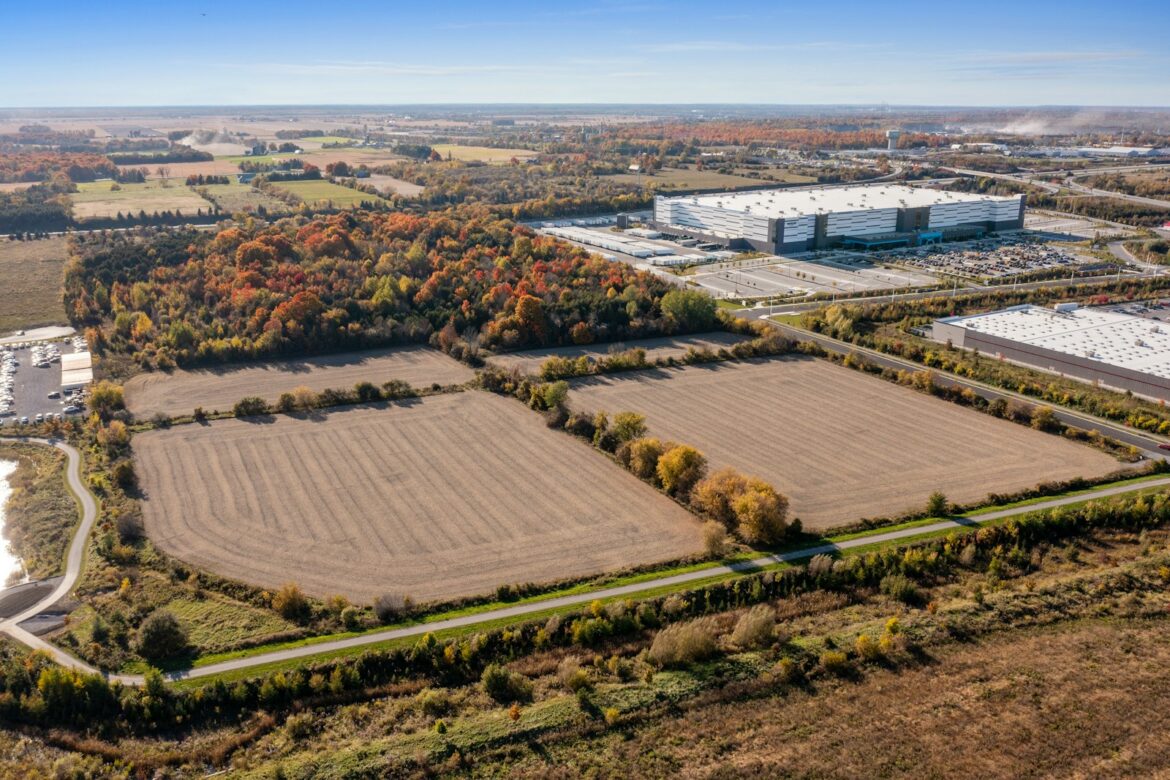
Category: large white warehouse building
[800,220]
[1117,350]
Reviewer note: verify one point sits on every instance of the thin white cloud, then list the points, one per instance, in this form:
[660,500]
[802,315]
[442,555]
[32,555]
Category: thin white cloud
[1038,65]
[376,68]
[706,46]
[1049,56]
[728,46]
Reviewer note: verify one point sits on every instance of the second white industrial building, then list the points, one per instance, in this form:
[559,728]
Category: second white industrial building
[786,220]
[1121,351]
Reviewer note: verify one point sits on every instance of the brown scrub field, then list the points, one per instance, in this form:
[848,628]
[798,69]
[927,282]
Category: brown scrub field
[217,389]
[529,361]
[1070,700]
[441,497]
[32,274]
[840,444]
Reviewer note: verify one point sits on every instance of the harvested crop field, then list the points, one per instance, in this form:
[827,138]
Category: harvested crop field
[529,361]
[447,496]
[217,389]
[841,445]
[181,171]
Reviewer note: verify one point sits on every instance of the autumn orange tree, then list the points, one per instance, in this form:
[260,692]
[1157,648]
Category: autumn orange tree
[463,278]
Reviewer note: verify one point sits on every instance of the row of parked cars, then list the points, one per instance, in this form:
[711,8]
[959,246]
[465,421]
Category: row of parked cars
[41,355]
[7,380]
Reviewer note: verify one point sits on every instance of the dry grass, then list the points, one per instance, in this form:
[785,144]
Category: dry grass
[321,192]
[31,292]
[1077,700]
[242,197]
[447,496]
[481,153]
[179,392]
[529,361]
[392,186]
[96,199]
[841,445]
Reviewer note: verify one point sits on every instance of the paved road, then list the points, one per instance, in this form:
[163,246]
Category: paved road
[39,334]
[89,507]
[1034,180]
[763,311]
[678,579]
[1146,442]
[73,562]
[1138,199]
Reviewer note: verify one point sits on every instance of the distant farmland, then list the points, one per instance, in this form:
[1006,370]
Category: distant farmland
[447,496]
[97,199]
[179,392]
[482,153]
[691,179]
[181,171]
[389,184]
[840,444]
[321,192]
[241,197]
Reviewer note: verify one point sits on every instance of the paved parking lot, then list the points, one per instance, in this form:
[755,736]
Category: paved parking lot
[834,273]
[995,258]
[31,385]
[1070,228]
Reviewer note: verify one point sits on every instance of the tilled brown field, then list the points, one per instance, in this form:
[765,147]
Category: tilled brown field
[447,496]
[841,445]
[179,392]
[530,360]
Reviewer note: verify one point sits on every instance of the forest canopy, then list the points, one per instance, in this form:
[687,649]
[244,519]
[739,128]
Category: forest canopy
[461,278]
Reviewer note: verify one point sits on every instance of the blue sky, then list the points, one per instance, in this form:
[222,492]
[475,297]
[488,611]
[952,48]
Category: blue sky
[72,53]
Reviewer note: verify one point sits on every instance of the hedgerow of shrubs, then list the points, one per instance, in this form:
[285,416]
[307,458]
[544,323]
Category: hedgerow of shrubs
[35,691]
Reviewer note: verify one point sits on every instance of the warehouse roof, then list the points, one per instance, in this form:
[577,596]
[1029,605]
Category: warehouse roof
[76,369]
[1113,338]
[794,203]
